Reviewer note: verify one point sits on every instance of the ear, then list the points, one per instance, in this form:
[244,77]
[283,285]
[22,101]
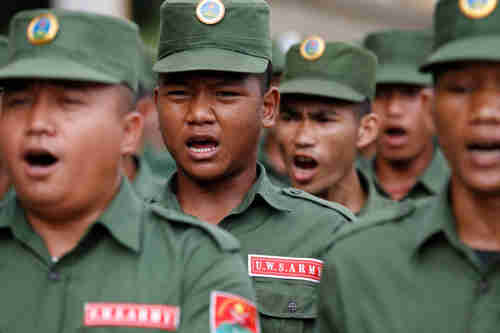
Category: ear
[368,130]
[427,96]
[133,125]
[146,106]
[270,107]
[155,96]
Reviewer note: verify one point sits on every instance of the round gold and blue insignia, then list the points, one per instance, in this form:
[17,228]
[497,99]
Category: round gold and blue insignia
[210,11]
[478,9]
[43,29]
[312,48]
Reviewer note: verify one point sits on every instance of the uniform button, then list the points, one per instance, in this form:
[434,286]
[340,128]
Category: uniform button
[484,286]
[295,191]
[292,307]
[54,276]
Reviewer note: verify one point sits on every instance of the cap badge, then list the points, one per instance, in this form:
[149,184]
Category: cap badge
[312,48]
[43,29]
[210,11]
[477,9]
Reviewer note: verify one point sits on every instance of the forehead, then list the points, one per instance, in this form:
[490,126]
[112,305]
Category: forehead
[28,84]
[471,69]
[388,88]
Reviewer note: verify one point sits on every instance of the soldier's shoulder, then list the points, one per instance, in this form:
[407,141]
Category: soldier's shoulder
[183,223]
[304,200]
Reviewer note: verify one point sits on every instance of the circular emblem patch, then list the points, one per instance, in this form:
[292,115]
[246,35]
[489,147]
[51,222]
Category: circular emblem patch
[43,29]
[312,48]
[210,11]
[477,9]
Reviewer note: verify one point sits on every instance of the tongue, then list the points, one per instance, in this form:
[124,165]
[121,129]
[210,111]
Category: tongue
[306,164]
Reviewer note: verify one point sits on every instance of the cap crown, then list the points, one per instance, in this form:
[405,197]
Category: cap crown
[341,63]
[244,28]
[104,44]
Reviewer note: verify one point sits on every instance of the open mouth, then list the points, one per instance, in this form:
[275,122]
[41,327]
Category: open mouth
[395,131]
[485,147]
[202,144]
[305,162]
[42,159]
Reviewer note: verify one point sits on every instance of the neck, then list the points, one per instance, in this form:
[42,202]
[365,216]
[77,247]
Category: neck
[397,178]
[348,192]
[273,153]
[212,201]
[477,218]
[129,167]
[62,232]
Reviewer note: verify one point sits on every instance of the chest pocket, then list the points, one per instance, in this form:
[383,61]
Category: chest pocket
[286,305]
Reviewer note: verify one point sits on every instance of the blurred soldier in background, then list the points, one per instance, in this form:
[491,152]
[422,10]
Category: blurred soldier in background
[5,183]
[408,163]
[436,270]
[325,116]
[78,248]
[214,97]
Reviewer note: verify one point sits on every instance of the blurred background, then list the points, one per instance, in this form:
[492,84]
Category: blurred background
[345,20]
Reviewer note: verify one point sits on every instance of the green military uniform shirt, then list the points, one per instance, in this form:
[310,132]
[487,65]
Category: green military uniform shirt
[147,185]
[162,164]
[429,184]
[280,229]
[134,254]
[277,178]
[412,274]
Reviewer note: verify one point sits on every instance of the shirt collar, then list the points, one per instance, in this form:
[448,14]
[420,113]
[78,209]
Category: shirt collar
[437,174]
[146,184]
[263,188]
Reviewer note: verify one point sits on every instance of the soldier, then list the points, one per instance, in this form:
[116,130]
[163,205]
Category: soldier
[407,164]
[437,269]
[213,98]
[78,249]
[325,117]
[269,152]
[5,183]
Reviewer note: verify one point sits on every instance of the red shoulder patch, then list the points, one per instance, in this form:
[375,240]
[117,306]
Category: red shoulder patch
[232,313]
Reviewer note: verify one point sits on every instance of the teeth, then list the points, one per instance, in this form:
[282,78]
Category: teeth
[304,159]
[202,150]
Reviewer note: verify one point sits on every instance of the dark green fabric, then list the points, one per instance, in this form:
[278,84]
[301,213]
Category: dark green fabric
[430,183]
[461,38]
[400,53]
[240,42]
[147,78]
[162,164]
[279,59]
[333,74]
[281,222]
[410,275]
[276,178]
[134,253]
[88,47]
[147,185]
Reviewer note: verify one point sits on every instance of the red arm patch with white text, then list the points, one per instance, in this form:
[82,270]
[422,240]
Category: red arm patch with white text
[285,267]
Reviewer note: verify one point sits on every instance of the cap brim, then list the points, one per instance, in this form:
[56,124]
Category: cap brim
[54,69]
[485,48]
[211,59]
[322,88]
[401,74]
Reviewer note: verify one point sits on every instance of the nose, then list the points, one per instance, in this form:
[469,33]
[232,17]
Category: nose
[394,105]
[39,118]
[201,110]
[486,107]
[304,135]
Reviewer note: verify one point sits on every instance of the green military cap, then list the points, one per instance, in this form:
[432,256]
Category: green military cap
[337,70]
[465,30]
[219,35]
[147,78]
[68,45]
[279,59]
[400,53]
[4,50]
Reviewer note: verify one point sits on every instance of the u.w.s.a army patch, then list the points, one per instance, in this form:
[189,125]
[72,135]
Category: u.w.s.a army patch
[43,29]
[232,314]
[210,11]
[477,9]
[312,48]
[285,268]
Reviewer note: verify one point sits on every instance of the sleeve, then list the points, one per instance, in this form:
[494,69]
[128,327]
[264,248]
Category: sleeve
[330,309]
[218,293]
